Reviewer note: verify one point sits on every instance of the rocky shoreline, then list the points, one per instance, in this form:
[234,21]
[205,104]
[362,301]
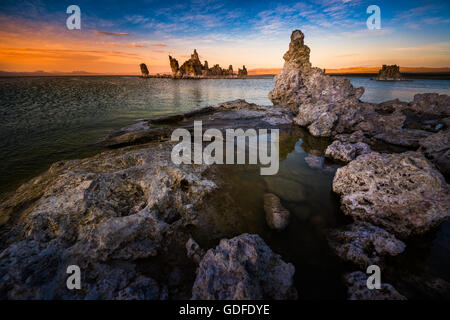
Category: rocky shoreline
[133,220]
[393,194]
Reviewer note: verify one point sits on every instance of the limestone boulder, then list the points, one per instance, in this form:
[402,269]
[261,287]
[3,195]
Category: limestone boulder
[401,193]
[243,268]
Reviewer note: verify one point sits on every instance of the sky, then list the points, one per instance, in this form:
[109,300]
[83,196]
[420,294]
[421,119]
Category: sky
[116,36]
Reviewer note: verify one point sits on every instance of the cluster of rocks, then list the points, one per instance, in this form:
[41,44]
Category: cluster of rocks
[329,106]
[389,195]
[389,73]
[125,217]
[193,68]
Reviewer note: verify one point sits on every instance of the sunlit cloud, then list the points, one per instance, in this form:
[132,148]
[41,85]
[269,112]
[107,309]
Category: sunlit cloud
[106,33]
[256,35]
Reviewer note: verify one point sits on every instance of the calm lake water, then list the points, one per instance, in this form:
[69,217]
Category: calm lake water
[46,119]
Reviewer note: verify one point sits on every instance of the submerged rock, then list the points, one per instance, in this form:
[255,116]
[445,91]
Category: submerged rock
[401,193]
[286,189]
[277,216]
[364,244]
[357,289]
[243,268]
[314,162]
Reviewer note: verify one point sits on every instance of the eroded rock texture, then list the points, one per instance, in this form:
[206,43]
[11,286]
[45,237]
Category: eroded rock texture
[346,152]
[103,214]
[301,86]
[431,104]
[364,244]
[402,193]
[243,268]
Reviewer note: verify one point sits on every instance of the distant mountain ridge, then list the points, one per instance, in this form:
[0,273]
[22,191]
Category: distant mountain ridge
[251,72]
[273,71]
[44,73]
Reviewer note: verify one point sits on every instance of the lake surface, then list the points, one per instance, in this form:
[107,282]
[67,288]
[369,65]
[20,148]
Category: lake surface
[46,119]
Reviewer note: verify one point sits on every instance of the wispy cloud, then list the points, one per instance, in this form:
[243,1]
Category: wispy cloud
[136,19]
[159,45]
[106,33]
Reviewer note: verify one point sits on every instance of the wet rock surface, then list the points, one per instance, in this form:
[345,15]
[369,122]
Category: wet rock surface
[357,289]
[227,115]
[243,268]
[402,193]
[364,244]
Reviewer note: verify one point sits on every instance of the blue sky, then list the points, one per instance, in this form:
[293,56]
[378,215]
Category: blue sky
[118,34]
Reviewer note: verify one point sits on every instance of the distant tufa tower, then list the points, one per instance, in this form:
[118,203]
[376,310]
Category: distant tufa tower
[242,72]
[144,70]
[193,68]
[390,73]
